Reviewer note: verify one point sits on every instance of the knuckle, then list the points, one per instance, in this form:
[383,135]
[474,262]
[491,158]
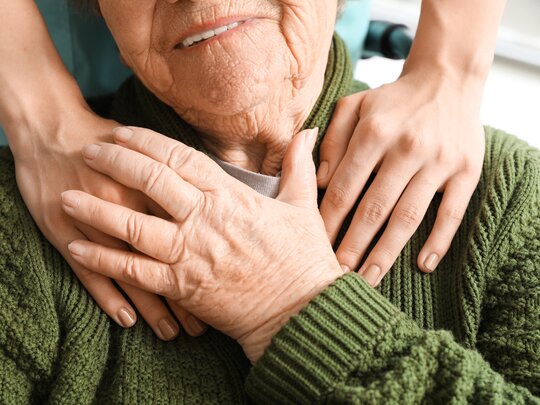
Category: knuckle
[351,252]
[93,210]
[49,222]
[134,228]
[330,144]
[384,256]
[446,160]
[374,129]
[344,103]
[167,287]
[178,248]
[372,212]
[472,166]
[337,196]
[429,182]
[408,215]
[453,214]
[411,142]
[153,178]
[131,269]
[180,157]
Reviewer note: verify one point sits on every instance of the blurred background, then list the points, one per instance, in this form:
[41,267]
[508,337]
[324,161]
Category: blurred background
[512,95]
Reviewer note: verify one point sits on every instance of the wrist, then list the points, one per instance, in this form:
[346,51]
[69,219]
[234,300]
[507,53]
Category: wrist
[442,78]
[41,116]
[443,67]
[302,293]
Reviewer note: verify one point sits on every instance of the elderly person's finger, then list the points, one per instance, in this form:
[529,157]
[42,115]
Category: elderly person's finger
[101,288]
[105,293]
[153,236]
[405,219]
[450,215]
[374,210]
[298,183]
[140,172]
[151,307]
[137,270]
[192,165]
[336,141]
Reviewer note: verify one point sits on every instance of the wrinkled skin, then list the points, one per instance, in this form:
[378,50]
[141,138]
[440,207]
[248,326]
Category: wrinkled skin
[241,262]
[380,128]
[249,90]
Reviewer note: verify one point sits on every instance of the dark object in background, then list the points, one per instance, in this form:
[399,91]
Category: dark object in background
[387,39]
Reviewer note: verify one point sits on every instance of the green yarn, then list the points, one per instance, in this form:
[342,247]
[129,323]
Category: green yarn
[470,332]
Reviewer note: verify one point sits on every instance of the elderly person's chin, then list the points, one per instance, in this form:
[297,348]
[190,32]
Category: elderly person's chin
[233,73]
[249,68]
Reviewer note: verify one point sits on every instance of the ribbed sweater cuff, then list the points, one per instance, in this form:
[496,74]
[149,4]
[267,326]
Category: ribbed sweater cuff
[318,348]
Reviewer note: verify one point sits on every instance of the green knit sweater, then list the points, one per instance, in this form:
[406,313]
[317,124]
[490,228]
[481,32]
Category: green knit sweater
[470,332]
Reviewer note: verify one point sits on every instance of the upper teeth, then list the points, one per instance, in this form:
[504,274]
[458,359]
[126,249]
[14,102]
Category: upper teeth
[194,39]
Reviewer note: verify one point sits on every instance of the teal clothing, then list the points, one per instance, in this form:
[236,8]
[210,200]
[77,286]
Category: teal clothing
[86,47]
[353,26]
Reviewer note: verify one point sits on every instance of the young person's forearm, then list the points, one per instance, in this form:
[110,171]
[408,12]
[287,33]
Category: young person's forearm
[457,36]
[33,80]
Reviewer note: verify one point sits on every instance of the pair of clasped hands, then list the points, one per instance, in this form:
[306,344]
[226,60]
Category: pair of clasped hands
[161,231]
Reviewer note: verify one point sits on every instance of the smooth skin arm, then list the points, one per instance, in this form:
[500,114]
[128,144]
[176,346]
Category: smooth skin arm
[422,134]
[47,121]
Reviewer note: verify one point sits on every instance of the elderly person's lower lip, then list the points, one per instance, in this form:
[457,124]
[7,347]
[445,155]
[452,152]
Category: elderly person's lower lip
[207,36]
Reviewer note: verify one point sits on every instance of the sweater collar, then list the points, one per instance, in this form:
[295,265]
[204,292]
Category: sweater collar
[136,105]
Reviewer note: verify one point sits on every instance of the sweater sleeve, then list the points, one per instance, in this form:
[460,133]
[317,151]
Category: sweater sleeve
[351,345]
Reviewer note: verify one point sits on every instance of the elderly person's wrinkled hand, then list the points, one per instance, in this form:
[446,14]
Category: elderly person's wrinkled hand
[241,262]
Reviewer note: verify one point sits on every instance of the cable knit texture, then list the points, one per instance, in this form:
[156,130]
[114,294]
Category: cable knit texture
[470,332]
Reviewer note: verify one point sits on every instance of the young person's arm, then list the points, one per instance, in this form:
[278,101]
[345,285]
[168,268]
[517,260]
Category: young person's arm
[47,122]
[421,133]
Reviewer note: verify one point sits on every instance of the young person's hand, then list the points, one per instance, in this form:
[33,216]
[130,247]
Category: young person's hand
[421,135]
[49,162]
[47,122]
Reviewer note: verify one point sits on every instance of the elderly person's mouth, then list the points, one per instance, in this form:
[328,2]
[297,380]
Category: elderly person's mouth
[206,33]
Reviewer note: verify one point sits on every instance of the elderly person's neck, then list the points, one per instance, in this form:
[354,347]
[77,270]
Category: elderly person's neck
[245,74]
[256,140]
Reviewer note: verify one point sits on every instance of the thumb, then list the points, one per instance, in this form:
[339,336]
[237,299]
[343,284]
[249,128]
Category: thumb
[298,181]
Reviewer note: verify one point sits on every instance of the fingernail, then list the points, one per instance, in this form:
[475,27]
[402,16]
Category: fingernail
[91,151]
[70,199]
[168,329]
[432,262]
[323,170]
[372,274]
[311,136]
[196,327]
[122,134]
[126,317]
[314,135]
[76,248]
[345,268]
